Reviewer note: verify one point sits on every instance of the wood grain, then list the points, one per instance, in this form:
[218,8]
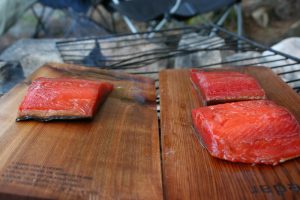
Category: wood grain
[114,156]
[189,172]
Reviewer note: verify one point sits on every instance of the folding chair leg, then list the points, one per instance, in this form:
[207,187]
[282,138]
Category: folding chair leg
[113,23]
[158,27]
[220,22]
[129,23]
[39,26]
[166,18]
[133,29]
[238,10]
[223,18]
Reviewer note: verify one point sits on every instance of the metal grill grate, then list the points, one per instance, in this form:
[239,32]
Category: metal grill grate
[137,52]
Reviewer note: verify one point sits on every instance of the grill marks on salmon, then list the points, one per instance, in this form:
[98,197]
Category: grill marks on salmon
[225,86]
[257,131]
[62,98]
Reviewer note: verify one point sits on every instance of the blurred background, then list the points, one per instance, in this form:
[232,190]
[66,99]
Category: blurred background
[265,21]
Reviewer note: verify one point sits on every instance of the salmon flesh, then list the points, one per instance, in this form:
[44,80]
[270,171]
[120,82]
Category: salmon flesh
[225,86]
[62,98]
[257,131]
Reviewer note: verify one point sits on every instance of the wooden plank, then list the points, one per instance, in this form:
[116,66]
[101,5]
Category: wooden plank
[189,172]
[114,156]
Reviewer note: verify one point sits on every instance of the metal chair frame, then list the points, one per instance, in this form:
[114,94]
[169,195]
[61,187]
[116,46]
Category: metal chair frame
[167,16]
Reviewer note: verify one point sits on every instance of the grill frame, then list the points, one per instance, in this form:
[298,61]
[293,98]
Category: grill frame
[134,61]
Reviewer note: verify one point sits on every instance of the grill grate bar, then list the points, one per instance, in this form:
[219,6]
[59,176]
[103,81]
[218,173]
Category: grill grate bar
[293,71]
[284,65]
[293,80]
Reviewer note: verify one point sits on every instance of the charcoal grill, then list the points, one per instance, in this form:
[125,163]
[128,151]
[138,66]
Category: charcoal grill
[95,51]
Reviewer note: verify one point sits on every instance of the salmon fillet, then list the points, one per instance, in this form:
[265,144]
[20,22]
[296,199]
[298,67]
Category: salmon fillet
[257,131]
[62,98]
[225,86]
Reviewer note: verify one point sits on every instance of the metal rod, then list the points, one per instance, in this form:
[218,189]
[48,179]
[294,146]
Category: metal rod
[257,44]
[238,10]
[284,65]
[293,71]
[294,80]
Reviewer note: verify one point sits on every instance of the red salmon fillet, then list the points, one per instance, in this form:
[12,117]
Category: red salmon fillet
[257,131]
[226,86]
[62,98]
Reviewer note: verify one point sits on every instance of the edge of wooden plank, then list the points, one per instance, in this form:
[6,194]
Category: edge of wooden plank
[180,183]
[154,180]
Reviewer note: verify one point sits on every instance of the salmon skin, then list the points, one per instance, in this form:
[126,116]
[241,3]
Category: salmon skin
[225,86]
[62,98]
[257,132]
